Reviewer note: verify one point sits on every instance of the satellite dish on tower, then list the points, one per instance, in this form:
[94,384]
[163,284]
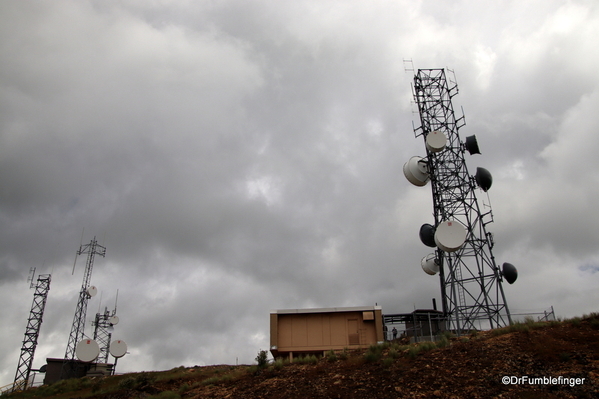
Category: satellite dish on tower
[87,350]
[510,272]
[472,145]
[427,235]
[92,291]
[450,235]
[118,348]
[429,264]
[483,179]
[436,141]
[416,171]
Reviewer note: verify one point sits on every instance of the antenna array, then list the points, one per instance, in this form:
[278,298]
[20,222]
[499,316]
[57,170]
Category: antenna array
[103,326]
[470,280]
[77,330]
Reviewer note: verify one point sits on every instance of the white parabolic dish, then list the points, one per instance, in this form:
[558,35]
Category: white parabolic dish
[436,141]
[92,291]
[87,350]
[114,320]
[118,348]
[415,170]
[450,235]
[429,265]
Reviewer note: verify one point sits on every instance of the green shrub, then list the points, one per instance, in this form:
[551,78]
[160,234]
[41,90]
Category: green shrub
[127,383]
[387,362]
[331,356]
[344,355]
[217,380]
[415,350]
[443,342]
[301,359]
[307,359]
[262,359]
[279,363]
[184,388]
[371,357]
[373,353]
[137,381]
[97,385]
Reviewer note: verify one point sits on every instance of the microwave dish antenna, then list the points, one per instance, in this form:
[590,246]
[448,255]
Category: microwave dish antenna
[118,348]
[87,350]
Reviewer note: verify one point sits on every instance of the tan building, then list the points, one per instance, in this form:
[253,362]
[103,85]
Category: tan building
[315,331]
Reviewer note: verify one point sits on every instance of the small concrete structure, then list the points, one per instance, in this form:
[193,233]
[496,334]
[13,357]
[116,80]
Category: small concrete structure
[316,331]
[74,369]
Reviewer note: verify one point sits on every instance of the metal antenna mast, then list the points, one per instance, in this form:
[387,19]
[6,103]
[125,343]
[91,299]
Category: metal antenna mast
[32,331]
[103,324]
[77,330]
[471,282]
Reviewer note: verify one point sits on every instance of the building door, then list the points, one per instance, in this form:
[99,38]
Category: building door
[352,331]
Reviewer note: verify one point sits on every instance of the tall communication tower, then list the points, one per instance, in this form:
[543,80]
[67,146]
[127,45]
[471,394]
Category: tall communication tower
[32,331]
[87,291]
[471,282]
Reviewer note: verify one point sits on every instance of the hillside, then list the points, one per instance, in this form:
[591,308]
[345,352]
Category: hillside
[466,367]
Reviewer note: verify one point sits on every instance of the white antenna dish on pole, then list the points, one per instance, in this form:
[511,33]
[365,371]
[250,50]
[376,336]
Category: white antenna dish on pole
[118,348]
[92,291]
[87,350]
[450,235]
[114,320]
[436,141]
[416,171]
[429,264]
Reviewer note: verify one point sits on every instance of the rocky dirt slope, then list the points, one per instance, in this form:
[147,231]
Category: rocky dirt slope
[562,356]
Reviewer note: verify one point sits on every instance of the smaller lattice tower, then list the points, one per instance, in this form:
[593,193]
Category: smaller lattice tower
[103,327]
[32,331]
[87,291]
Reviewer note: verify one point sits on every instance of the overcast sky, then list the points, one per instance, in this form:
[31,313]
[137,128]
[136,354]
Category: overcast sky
[236,157]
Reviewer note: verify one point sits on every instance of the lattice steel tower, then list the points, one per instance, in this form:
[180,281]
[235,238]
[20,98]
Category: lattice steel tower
[32,331]
[471,282]
[103,332]
[77,330]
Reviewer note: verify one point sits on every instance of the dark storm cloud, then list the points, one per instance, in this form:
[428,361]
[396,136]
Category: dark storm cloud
[239,157]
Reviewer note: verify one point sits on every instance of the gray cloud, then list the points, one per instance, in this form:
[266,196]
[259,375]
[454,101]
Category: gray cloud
[240,157]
